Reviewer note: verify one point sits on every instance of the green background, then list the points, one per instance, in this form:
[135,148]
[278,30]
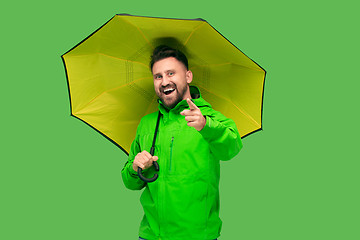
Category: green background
[297,179]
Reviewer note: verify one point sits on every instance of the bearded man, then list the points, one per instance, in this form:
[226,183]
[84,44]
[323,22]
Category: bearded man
[183,203]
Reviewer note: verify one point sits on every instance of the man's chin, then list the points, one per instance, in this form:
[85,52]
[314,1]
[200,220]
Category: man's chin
[170,103]
[172,100]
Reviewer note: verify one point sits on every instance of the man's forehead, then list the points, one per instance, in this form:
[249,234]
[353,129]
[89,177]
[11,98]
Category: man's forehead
[167,64]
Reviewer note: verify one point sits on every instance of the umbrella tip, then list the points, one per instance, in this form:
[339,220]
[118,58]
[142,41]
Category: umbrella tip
[200,19]
[124,14]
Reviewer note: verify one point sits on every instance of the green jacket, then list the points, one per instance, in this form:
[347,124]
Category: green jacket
[183,203]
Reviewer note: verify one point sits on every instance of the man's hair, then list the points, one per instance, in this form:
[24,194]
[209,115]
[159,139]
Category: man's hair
[163,51]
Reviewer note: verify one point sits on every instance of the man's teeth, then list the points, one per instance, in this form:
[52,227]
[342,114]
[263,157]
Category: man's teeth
[169,90]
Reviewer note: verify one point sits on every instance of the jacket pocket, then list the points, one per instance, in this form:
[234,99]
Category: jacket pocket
[171,153]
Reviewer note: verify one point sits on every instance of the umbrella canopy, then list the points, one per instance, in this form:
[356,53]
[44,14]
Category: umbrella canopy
[111,85]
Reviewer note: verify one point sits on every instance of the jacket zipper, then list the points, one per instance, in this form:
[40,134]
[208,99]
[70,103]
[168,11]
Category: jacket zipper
[171,148]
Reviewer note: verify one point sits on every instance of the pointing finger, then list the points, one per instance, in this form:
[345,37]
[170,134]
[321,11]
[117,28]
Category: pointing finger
[191,104]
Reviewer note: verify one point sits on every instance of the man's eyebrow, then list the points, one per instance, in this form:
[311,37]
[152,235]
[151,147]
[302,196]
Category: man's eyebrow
[158,74]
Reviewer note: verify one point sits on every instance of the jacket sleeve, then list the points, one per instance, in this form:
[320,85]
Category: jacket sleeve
[129,176]
[222,135]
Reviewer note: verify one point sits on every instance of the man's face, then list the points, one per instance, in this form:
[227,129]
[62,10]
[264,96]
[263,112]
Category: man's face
[171,79]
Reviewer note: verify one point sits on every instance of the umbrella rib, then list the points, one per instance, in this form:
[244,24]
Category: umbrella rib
[113,89]
[147,110]
[201,25]
[125,60]
[242,111]
[143,35]
[190,35]
[228,63]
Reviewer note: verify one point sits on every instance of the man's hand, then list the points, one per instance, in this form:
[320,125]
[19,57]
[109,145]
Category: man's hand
[193,116]
[143,160]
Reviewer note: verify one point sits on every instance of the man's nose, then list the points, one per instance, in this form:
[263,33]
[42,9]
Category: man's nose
[165,81]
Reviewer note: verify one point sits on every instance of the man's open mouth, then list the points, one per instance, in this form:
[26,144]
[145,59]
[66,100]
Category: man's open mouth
[169,91]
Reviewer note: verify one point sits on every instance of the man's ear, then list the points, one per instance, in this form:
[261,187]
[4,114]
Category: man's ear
[189,76]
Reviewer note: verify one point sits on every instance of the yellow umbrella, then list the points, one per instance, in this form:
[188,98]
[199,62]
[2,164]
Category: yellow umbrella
[111,86]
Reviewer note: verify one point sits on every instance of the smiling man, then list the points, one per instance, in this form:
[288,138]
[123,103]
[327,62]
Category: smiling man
[183,203]
[171,81]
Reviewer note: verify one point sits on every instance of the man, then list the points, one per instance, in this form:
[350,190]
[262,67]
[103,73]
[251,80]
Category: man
[183,203]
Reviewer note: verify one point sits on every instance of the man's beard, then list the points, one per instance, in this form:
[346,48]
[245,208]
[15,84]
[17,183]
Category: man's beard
[180,93]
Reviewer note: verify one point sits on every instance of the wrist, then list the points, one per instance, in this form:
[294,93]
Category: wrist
[204,123]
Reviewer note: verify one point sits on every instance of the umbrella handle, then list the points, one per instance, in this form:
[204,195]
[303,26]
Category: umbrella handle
[147,180]
[152,150]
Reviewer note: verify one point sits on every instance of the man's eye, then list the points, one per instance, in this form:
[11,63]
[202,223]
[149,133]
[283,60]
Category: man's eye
[158,77]
[170,73]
